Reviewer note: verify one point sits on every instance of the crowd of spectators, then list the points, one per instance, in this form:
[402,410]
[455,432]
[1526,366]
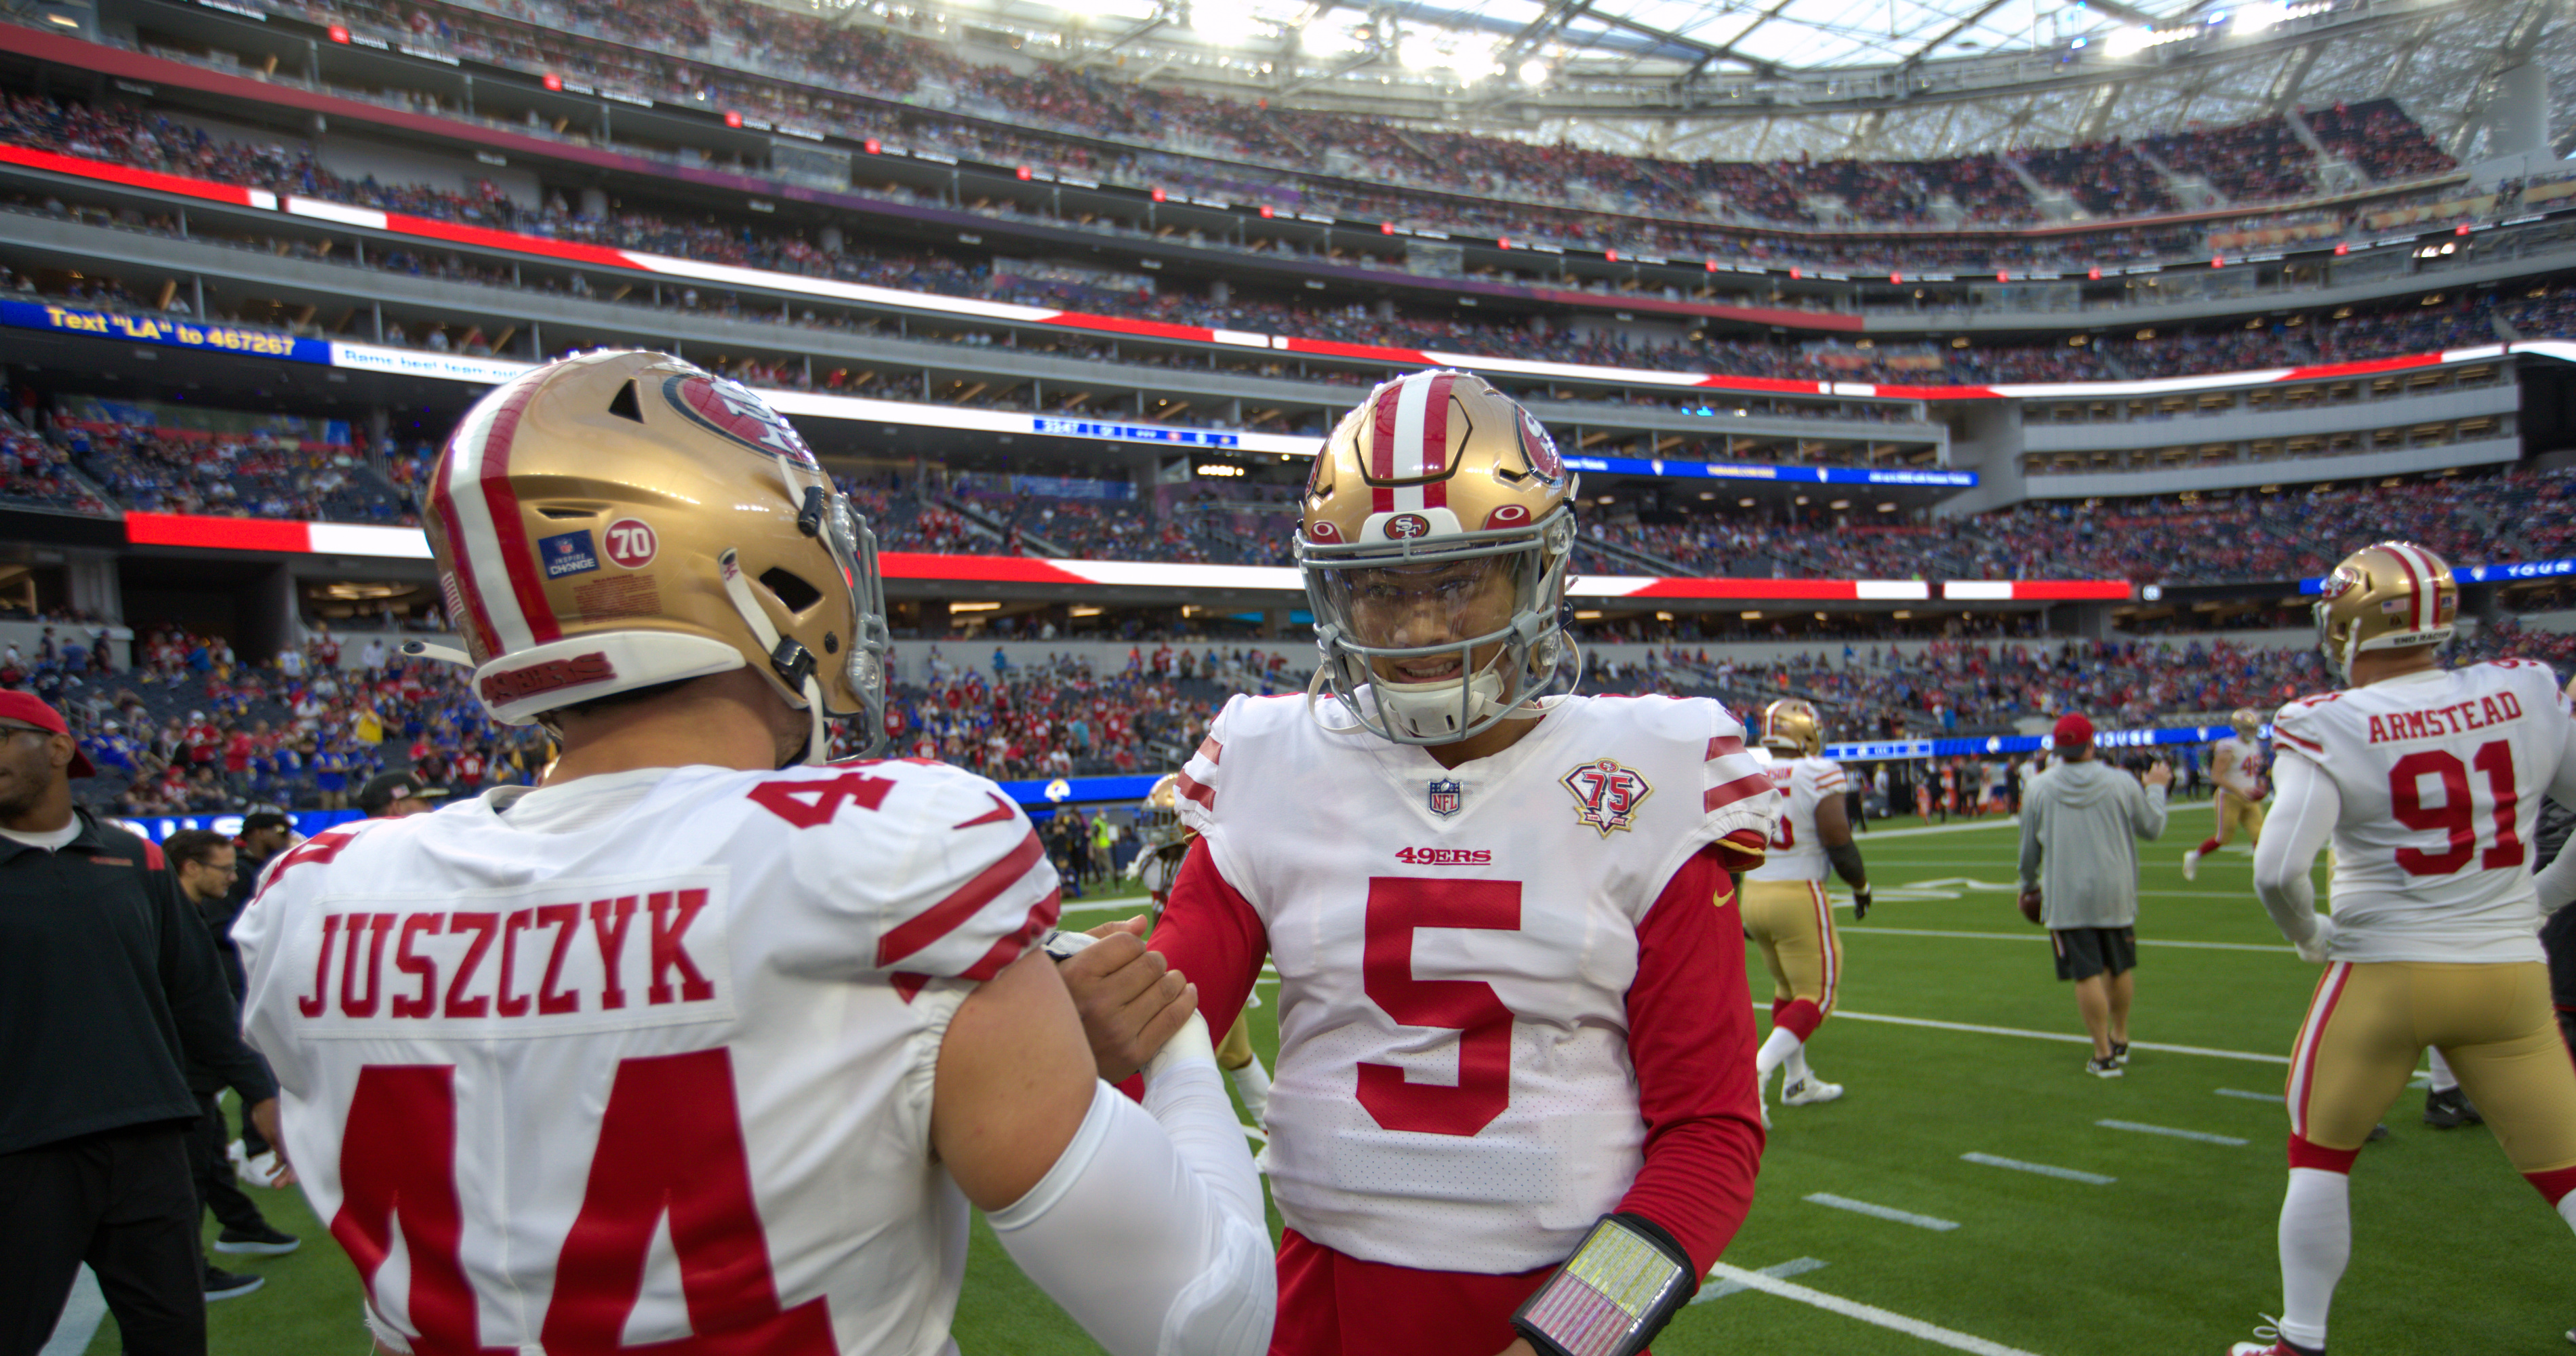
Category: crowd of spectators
[2378,138]
[183,469]
[118,132]
[861,82]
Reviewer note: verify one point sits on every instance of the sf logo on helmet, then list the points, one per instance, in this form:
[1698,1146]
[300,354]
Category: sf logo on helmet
[1407,526]
[731,411]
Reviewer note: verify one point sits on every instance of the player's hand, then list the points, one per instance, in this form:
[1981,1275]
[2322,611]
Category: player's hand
[1860,902]
[2160,774]
[2313,950]
[2030,905]
[264,1115]
[1129,998]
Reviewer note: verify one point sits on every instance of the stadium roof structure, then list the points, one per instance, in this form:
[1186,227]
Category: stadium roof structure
[1773,79]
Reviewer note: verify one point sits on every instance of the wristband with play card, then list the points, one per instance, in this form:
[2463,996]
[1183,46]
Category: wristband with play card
[1613,1295]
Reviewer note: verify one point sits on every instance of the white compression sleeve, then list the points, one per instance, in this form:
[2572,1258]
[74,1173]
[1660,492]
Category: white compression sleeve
[2305,805]
[1151,1235]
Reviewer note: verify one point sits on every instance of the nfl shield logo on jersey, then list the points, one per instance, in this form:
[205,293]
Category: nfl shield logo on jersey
[1606,795]
[1444,798]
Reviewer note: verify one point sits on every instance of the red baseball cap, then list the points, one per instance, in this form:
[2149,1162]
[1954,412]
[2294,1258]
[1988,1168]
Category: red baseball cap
[2073,730]
[29,710]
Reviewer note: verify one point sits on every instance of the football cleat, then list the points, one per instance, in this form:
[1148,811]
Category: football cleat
[2191,865]
[2450,1109]
[2268,1341]
[2104,1067]
[1809,1091]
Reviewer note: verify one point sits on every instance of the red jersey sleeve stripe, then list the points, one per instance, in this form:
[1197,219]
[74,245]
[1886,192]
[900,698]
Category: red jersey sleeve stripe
[1041,917]
[1191,788]
[1723,745]
[947,915]
[1211,750]
[2310,745]
[1727,793]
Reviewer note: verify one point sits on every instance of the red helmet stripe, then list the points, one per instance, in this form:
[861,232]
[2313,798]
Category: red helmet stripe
[461,563]
[487,541]
[2397,553]
[509,529]
[1431,450]
[1382,448]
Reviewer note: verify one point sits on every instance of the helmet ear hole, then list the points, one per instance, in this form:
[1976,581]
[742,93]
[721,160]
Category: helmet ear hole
[791,590]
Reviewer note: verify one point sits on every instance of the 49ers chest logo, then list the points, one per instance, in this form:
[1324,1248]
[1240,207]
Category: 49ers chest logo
[730,411]
[1606,795]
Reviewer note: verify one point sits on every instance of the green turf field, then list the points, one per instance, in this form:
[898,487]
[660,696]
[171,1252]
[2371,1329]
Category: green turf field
[1954,1038]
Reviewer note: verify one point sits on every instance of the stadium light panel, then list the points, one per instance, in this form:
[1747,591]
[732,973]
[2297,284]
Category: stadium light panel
[1533,72]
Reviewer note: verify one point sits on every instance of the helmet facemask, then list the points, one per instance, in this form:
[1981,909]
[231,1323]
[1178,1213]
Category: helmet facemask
[1383,610]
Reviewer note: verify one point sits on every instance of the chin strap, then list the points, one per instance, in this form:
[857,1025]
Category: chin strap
[789,661]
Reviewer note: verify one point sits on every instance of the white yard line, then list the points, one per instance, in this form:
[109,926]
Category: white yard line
[1886,1212]
[1720,1289]
[2170,1132]
[2274,1098]
[2042,936]
[1866,1313]
[2051,1036]
[2042,1169]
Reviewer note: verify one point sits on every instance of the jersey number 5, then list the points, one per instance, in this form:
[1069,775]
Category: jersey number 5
[670,1142]
[1397,906]
[2456,816]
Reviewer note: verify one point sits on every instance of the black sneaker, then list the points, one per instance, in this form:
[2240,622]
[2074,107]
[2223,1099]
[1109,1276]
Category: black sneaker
[2120,1053]
[2379,1132]
[224,1285]
[2107,1066]
[2449,1109]
[264,1241]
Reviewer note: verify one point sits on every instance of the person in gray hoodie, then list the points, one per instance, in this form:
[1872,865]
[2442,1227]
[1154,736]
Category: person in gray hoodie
[2081,822]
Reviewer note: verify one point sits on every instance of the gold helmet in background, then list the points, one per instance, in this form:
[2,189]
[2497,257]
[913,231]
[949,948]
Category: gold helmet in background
[619,520]
[2247,722]
[1792,729]
[2385,597]
[1158,818]
[1439,477]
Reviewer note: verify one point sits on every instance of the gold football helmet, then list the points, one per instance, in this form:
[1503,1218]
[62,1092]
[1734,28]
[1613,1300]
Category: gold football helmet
[618,520]
[1158,820]
[1438,519]
[2247,722]
[2385,597]
[1792,729]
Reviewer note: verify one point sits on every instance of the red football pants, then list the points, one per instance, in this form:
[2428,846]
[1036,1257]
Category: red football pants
[1333,1305]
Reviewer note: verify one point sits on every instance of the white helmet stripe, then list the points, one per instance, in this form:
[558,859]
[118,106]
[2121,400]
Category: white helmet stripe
[2427,583]
[1412,402]
[477,536]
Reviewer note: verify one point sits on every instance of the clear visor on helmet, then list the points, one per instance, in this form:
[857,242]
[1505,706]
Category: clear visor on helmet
[844,533]
[1446,633]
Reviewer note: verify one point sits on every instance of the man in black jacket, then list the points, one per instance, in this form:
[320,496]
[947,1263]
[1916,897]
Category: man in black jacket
[203,864]
[107,982]
[265,832]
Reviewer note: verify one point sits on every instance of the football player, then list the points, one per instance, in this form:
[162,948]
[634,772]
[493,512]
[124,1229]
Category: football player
[704,1047]
[2236,766]
[1785,909]
[2428,781]
[1516,1044]
[1167,845]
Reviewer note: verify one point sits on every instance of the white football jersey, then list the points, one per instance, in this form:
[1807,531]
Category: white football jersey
[1797,851]
[2441,775]
[1454,949]
[667,1073]
[2237,765]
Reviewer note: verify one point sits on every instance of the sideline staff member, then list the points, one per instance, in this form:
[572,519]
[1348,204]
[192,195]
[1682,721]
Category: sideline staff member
[106,979]
[2086,818]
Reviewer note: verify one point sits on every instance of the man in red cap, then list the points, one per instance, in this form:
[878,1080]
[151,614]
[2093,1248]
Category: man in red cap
[2081,820]
[107,978]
